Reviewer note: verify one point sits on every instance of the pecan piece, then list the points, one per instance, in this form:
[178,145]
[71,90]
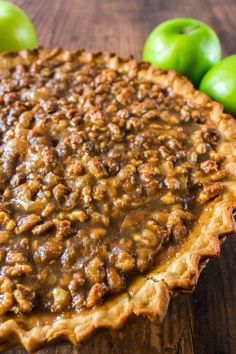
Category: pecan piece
[5,236]
[61,299]
[114,280]
[143,258]
[6,296]
[17,270]
[211,136]
[24,297]
[48,251]
[63,229]
[14,257]
[76,282]
[124,261]
[147,171]
[127,172]
[97,291]
[97,233]
[43,228]
[210,192]
[95,270]
[96,168]
[27,223]
[209,166]
[60,192]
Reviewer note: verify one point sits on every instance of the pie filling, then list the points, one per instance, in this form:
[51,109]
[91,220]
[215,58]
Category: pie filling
[100,171]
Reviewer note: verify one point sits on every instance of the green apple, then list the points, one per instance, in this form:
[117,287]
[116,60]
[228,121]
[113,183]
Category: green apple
[220,83]
[186,45]
[16,29]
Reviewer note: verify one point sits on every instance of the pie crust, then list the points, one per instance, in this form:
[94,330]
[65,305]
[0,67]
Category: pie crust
[149,294]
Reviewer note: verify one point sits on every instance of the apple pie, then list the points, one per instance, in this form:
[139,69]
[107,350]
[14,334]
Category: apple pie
[117,184]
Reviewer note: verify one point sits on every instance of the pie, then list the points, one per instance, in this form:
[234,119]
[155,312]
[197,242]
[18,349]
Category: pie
[117,184]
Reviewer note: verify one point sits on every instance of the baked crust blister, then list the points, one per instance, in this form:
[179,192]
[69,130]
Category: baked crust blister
[149,294]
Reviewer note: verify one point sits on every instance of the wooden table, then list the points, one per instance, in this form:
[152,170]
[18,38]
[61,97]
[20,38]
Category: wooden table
[204,323]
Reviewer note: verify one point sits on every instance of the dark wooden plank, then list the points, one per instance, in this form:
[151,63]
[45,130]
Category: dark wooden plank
[205,322]
[121,26]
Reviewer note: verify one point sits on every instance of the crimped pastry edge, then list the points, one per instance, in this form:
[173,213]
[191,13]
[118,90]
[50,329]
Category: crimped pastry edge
[148,295]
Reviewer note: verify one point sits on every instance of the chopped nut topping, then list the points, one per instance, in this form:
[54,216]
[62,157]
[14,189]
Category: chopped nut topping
[100,171]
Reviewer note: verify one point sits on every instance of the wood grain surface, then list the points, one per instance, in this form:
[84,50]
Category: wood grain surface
[205,322]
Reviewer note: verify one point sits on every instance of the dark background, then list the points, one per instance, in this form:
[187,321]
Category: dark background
[205,322]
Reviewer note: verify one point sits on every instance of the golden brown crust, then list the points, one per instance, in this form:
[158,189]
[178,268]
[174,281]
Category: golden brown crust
[148,295]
